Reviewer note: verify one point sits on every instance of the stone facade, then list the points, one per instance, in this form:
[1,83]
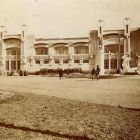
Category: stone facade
[25,52]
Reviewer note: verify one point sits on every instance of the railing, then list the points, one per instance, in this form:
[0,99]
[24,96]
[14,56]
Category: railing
[113,55]
[43,57]
[80,56]
[12,57]
[61,56]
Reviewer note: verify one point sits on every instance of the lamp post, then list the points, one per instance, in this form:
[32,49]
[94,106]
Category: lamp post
[100,24]
[24,28]
[2,51]
[127,50]
[127,22]
[1,31]
[23,47]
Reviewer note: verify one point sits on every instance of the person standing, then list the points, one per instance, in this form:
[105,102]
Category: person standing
[97,72]
[93,73]
[60,73]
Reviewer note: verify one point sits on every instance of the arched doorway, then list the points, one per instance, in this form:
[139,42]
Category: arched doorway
[13,59]
[13,53]
[113,57]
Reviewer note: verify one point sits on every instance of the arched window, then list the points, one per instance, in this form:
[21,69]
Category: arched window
[13,51]
[41,51]
[81,50]
[114,48]
[61,50]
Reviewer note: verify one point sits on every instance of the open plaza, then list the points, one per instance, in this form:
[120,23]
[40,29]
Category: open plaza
[123,91]
[42,107]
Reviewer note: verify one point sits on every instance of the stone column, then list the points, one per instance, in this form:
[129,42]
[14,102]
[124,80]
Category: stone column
[118,61]
[22,59]
[9,58]
[41,61]
[23,63]
[51,54]
[71,53]
[16,62]
[138,67]
[102,60]
[93,50]
[127,50]
[3,57]
[109,59]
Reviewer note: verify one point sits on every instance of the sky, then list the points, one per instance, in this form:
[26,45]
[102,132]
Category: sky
[66,18]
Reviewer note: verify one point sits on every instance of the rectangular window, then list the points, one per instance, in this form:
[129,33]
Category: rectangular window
[106,64]
[85,61]
[57,61]
[113,63]
[46,61]
[18,65]
[7,65]
[76,61]
[13,65]
[37,62]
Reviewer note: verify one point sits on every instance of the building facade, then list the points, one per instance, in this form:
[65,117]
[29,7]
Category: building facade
[107,48]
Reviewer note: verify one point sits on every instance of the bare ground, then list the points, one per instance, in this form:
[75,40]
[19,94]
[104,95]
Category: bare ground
[42,117]
[124,91]
[28,116]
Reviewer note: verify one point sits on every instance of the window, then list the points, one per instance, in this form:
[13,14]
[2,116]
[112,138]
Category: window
[86,61]
[114,48]
[106,64]
[61,50]
[113,63]
[81,50]
[65,61]
[57,61]
[7,65]
[37,62]
[76,61]
[46,61]
[41,51]
[13,65]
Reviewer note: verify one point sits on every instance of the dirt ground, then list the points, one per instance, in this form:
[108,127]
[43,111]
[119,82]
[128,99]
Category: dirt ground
[123,91]
[77,109]
[35,117]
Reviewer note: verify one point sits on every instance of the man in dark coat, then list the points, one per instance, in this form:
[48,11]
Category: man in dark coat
[60,71]
[93,73]
[97,72]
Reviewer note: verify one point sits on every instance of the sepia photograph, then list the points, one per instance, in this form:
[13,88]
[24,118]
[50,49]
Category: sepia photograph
[69,70]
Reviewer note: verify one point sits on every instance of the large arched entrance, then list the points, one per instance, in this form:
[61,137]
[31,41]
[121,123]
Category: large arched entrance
[113,57]
[13,53]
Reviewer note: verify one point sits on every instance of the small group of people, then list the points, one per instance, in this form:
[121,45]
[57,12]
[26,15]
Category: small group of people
[95,73]
[15,73]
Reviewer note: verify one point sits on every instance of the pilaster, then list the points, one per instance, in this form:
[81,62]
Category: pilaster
[93,50]
[3,57]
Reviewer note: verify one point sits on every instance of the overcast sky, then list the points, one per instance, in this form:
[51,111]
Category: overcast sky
[66,18]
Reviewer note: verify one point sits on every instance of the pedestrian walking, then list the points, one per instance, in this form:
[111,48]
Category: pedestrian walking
[93,73]
[97,72]
[60,71]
